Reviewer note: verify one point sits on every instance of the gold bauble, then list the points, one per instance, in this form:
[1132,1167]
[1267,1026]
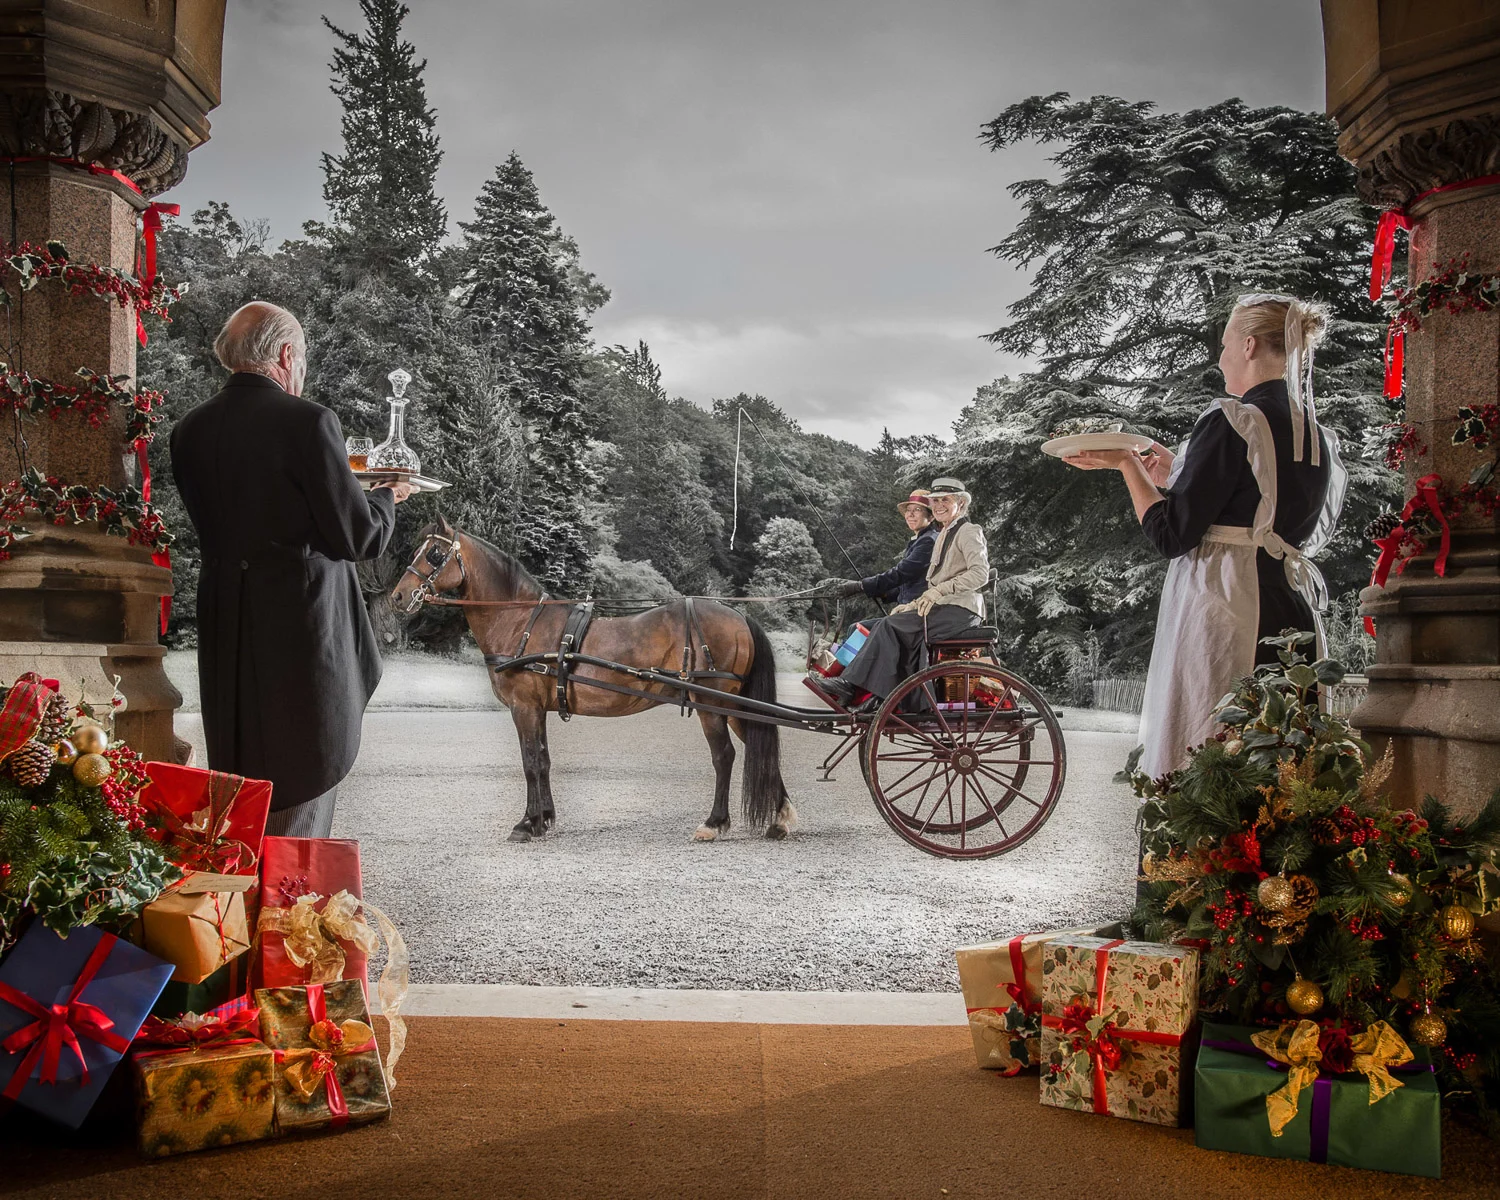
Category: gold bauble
[1456,921]
[1304,997]
[92,770]
[90,739]
[66,752]
[1401,894]
[1428,1029]
[1275,893]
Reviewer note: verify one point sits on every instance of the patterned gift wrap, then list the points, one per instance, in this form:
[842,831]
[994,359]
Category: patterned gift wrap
[1116,1019]
[198,1098]
[1002,986]
[328,1070]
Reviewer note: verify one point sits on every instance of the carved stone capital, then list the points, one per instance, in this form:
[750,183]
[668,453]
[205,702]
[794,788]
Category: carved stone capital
[1424,159]
[51,124]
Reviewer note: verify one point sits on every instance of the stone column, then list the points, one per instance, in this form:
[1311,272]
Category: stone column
[125,85]
[1415,89]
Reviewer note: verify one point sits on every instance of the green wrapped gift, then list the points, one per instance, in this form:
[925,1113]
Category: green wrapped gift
[1243,1090]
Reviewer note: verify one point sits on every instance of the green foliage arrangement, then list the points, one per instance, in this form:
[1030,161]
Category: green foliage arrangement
[1374,905]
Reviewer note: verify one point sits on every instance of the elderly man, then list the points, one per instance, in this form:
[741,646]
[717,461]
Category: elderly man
[287,660]
[949,604]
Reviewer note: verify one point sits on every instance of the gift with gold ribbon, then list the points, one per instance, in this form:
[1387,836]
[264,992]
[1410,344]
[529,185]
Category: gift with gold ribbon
[1116,1020]
[202,1081]
[328,1069]
[1002,986]
[1321,1094]
[293,869]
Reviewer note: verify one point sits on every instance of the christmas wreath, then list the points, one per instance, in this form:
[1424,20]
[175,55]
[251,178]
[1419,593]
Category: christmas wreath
[1274,852]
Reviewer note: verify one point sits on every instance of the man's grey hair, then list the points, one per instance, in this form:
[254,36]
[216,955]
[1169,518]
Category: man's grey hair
[252,338]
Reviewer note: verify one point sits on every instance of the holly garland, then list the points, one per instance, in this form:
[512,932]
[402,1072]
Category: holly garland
[93,398]
[120,513]
[32,264]
[1274,851]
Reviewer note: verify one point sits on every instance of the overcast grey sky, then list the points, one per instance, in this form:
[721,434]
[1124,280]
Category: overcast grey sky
[785,196]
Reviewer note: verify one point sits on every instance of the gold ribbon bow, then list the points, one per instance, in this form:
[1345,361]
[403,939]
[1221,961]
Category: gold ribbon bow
[992,1027]
[312,940]
[307,1068]
[1376,1050]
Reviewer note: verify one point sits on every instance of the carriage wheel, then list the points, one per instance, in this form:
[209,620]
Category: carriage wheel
[965,760]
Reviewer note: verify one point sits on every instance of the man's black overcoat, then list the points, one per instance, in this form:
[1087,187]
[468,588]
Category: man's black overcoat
[287,660]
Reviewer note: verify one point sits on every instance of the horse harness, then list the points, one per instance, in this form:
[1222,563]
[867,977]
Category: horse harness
[570,645]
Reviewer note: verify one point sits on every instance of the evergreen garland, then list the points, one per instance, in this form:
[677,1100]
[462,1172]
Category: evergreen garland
[1286,789]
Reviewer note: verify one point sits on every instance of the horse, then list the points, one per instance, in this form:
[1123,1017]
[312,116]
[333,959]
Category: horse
[508,612]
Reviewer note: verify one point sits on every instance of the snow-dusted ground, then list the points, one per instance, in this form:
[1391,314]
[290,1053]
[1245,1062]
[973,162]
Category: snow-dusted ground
[619,895]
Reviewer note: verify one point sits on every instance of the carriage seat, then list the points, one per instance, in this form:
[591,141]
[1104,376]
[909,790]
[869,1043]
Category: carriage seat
[975,635]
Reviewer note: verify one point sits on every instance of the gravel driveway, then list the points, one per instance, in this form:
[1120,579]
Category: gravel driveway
[619,895]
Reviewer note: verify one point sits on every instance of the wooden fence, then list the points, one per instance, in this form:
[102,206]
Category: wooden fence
[1125,695]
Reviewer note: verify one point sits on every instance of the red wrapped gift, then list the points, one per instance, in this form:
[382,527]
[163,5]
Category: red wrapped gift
[208,820]
[301,874]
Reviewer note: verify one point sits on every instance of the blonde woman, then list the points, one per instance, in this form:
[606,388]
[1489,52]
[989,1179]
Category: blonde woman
[1253,494]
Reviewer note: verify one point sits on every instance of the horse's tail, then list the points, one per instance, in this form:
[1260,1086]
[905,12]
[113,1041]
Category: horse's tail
[764,792]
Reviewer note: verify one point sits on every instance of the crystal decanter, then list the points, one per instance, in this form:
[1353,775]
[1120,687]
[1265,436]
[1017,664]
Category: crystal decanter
[394,454]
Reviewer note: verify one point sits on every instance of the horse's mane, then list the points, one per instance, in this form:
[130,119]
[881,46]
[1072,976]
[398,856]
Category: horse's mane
[510,574]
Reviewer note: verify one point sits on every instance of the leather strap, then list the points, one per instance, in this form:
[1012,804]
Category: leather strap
[575,629]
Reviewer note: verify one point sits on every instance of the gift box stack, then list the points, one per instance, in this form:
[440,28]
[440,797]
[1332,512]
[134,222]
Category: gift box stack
[238,996]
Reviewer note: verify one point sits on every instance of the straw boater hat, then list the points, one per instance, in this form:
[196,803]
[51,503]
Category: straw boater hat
[918,498]
[946,485]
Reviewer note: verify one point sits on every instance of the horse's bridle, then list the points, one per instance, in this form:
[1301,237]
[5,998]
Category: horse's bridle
[437,557]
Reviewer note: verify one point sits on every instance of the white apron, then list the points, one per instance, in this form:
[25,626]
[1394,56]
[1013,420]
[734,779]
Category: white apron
[1209,620]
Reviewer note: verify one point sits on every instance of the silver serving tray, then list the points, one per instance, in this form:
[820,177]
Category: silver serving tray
[420,483]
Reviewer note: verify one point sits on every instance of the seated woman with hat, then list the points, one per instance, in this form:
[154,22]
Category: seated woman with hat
[949,603]
[907,580]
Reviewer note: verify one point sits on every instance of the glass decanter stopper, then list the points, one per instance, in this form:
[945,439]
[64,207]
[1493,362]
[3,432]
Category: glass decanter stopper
[394,454]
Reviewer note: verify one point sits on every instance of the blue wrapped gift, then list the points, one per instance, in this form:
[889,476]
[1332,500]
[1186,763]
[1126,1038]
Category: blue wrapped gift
[850,646]
[68,1010]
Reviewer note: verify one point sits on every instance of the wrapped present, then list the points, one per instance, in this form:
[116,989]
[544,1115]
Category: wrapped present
[202,1081]
[310,872]
[1002,986]
[1320,1095]
[229,981]
[68,1009]
[208,820]
[1115,1017]
[197,932]
[328,1070]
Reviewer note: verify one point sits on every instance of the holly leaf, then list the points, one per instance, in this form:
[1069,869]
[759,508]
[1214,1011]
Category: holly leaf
[1302,676]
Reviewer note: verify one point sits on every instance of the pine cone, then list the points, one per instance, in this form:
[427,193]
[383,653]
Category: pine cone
[1382,526]
[1326,832]
[31,764]
[57,719]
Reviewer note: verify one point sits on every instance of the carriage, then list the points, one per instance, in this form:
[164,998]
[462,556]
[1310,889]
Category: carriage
[964,759]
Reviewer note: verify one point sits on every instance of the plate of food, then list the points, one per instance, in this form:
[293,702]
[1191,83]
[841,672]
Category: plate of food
[1093,433]
[419,483]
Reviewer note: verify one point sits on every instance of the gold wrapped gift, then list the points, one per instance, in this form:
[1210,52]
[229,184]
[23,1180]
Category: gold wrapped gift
[197,933]
[328,1070]
[203,1094]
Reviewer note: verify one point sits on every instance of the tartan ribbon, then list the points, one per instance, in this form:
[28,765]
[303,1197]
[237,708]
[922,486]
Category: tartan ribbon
[194,1032]
[308,1068]
[203,838]
[59,1025]
[1425,497]
[1092,1030]
[21,714]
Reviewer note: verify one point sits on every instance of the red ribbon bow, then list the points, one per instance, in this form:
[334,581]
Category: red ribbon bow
[1390,546]
[1017,989]
[59,1025]
[1104,1050]
[241,1028]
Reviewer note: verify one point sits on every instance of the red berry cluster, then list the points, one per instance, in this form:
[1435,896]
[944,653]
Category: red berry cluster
[1405,444]
[123,513]
[1235,906]
[32,264]
[1366,930]
[124,785]
[1346,825]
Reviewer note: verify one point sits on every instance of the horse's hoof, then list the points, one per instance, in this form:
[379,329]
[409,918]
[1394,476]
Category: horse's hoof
[519,834]
[705,833]
[548,821]
[776,833]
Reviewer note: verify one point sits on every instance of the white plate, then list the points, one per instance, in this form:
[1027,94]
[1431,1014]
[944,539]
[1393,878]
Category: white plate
[1077,443]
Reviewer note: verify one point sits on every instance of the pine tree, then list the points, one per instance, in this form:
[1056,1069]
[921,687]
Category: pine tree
[1154,224]
[381,191]
[787,561]
[527,300]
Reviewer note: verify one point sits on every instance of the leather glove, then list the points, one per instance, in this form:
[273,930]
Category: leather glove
[902,608]
[849,587]
[926,602]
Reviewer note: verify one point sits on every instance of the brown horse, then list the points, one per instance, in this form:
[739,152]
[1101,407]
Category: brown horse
[507,618]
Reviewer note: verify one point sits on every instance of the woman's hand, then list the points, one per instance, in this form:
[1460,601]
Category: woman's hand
[1099,460]
[1158,463]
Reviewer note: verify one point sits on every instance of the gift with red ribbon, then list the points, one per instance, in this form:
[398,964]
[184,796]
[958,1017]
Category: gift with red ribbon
[1002,986]
[198,932]
[68,1009]
[1425,499]
[202,1081]
[1116,1021]
[208,820]
[328,1069]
